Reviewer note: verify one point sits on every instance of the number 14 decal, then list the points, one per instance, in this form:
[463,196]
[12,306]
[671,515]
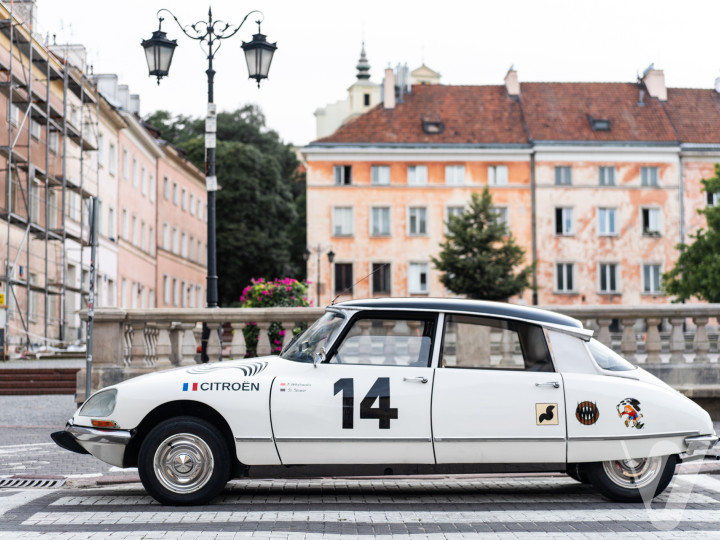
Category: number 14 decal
[380,391]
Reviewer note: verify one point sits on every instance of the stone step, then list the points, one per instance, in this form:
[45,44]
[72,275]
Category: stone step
[22,381]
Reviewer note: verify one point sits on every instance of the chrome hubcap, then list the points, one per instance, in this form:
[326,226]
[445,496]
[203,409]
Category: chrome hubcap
[183,463]
[633,473]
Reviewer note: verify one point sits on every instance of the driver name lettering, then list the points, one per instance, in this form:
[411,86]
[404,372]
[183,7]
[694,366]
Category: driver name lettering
[221,387]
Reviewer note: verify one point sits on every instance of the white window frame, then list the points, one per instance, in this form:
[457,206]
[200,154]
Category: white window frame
[563,175]
[415,282]
[342,175]
[166,237]
[191,205]
[607,221]
[126,164]
[497,175]
[567,215]
[455,175]
[606,175]
[609,268]
[112,159]
[417,175]
[503,213]
[649,176]
[101,150]
[417,221]
[135,172]
[712,198]
[143,181]
[654,227]
[342,225]
[563,270]
[652,278]
[166,188]
[380,215]
[380,175]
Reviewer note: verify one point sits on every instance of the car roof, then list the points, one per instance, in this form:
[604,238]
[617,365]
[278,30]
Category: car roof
[479,307]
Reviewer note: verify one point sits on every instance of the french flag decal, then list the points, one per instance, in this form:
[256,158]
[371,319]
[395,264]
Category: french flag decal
[186,385]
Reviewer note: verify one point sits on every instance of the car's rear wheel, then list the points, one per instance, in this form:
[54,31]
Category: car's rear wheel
[184,461]
[577,473]
[631,480]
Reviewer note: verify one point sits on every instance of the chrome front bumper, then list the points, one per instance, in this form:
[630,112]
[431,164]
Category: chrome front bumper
[106,445]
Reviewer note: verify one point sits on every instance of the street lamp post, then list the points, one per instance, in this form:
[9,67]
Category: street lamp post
[258,55]
[319,251]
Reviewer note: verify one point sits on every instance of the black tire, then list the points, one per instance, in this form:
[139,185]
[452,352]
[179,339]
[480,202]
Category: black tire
[577,473]
[184,461]
[635,480]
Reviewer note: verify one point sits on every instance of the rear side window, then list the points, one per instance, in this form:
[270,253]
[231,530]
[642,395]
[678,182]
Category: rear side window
[479,342]
[607,358]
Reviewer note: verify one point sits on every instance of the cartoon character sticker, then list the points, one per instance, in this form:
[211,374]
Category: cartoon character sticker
[629,409]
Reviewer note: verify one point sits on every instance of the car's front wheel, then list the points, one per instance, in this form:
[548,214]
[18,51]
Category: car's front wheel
[631,480]
[184,461]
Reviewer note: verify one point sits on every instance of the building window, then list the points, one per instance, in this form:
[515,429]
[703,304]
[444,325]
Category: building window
[564,277]
[343,278]
[191,206]
[498,175]
[713,198]
[183,243]
[134,231]
[342,221]
[112,159]
[651,221]
[183,200]
[142,236]
[35,130]
[455,175]
[175,193]
[366,100]
[651,279]
[175,292]
[126,164]
[606,222]
[166,188]
[380,175]
[649,176]
[32,298]
[563,221]
[563,176]
[151,241]
[125,224]
[343,175]
[608,278]
[111,223]
[381,278]
[418,278]
[54,144]
[166,237]
[380,225]
[606,176]
[501,215]
[191,254]
[124,293]
[135,173]
[152,188]
[35,198]
[199,252]
[143,181]
[175,241]
[417,175]
[14,114]
[101,149]
[453,211]
[417,220]
[199,209]
[183,287]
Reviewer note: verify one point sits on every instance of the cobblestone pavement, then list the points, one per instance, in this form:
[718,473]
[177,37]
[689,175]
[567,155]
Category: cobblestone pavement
[499,507]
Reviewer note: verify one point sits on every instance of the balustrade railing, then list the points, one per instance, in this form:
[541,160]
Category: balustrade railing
[677,342]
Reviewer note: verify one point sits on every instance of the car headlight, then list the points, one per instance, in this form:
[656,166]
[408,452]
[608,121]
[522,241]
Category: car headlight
[100,404]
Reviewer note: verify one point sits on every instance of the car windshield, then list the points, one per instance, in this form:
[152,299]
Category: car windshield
[607,358]
[314,338]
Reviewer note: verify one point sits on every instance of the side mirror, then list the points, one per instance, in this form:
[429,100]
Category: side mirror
[319,357]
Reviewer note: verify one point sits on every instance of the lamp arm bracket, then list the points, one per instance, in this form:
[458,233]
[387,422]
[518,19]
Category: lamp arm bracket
[228,31]
[185,29]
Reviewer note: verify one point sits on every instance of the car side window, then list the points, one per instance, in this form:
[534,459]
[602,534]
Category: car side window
[479,342]
[386,342]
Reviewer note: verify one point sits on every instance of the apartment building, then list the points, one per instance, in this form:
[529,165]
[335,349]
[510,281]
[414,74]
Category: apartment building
[65,138]
[597,181]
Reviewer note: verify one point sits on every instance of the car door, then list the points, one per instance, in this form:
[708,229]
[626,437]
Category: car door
[497,397]
[368,402]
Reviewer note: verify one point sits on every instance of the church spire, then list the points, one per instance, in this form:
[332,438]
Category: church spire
[363,66]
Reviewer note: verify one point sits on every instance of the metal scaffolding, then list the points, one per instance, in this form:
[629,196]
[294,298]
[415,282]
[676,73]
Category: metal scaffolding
[49,101]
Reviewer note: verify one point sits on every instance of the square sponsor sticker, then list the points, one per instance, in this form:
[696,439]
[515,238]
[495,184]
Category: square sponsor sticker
[546,414]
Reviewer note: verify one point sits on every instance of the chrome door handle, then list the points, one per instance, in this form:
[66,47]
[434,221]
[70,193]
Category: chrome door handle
[554,384]
[415,379]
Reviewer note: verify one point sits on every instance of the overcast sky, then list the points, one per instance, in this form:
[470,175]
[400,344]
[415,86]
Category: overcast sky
[468,42]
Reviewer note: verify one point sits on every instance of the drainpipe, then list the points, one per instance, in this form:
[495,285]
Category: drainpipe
[681,205]
[533,221]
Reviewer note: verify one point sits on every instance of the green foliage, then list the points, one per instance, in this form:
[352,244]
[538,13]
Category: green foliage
[479,256]
[260,206]
[286,292]
[697,271]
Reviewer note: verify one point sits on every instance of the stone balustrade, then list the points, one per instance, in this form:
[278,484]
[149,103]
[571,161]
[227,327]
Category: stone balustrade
[676,342]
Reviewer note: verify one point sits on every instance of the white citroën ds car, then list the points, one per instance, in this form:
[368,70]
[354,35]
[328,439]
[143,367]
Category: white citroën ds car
[401,386]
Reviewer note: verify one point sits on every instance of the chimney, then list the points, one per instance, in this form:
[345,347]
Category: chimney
[512,85]
[107,84]
[389,89]
[135,104]
[654,80]
[123,96]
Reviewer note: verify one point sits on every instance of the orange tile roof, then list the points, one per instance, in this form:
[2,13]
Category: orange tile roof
[545,112]
[470,114]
